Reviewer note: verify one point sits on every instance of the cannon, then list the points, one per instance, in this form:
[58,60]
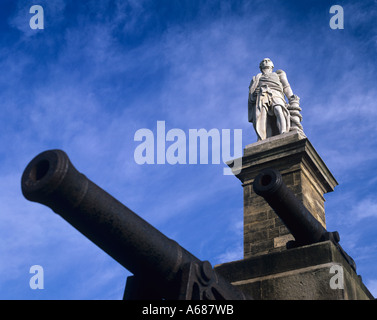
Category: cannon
[298,220]
[161,268]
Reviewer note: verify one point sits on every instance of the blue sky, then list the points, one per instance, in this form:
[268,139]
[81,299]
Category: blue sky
[101,70]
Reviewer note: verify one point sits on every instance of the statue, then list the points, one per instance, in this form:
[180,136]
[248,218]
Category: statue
[267,108]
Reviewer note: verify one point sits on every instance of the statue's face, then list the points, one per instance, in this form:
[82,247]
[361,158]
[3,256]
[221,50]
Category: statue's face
[266,63]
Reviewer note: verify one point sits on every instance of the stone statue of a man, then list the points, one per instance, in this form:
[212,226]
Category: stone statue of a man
[267,107]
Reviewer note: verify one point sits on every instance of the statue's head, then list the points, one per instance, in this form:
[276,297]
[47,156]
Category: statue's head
[266,63]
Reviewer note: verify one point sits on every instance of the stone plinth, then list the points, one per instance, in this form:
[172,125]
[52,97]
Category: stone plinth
[303,171]
[296,274]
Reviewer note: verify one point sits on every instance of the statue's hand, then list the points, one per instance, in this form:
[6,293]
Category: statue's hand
[294,100]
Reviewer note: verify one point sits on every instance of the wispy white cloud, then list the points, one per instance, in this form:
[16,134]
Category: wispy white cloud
[365,208]
[231,254]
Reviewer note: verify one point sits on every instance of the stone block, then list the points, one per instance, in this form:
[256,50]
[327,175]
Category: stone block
[302,273]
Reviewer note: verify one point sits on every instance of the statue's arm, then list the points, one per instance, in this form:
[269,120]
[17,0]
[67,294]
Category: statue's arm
[284,81]
[293,101]
[253,90]
[251,87]
[251,101]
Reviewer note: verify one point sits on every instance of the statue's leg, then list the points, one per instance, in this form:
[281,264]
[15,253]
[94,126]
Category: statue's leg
[261,125]
[269,130]
[281,121]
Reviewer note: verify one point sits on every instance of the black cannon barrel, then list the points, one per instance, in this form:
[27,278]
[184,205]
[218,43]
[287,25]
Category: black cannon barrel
[52,180]
[299,221]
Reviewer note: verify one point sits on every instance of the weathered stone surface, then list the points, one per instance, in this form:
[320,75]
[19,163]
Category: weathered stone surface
[295,274]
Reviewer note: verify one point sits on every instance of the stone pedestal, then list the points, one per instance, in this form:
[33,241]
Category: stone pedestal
[303,171]
[313,272]
[269,270]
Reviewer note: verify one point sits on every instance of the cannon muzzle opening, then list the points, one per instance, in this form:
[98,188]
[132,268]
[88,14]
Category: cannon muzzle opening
[44,174]
[267,183]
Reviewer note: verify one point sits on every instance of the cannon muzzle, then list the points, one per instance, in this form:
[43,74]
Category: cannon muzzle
[299,221]
[52,180]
